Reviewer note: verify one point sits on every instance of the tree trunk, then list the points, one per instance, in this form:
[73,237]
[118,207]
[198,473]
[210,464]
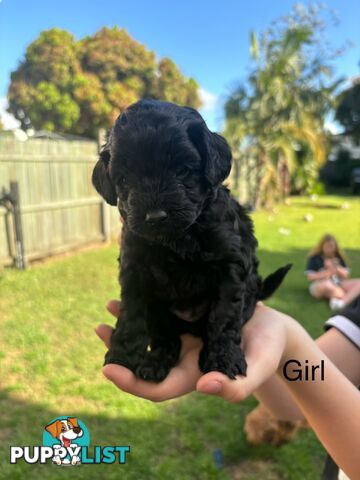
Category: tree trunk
[284,176]
[259,173]
[236,174]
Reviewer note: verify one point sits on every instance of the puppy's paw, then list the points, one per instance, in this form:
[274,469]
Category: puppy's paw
[112,356]
[157,363]
[230,361]
[152,370]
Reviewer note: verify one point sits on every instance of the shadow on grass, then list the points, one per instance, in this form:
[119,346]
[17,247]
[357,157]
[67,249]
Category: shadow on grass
[178,444]
[323,206]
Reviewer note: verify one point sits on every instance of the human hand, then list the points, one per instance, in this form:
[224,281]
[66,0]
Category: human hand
[266,339]
[328,263]
[342,272]
[180,380]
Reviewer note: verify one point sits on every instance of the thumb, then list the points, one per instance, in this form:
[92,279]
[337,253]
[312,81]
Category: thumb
[263,348]
[216,383]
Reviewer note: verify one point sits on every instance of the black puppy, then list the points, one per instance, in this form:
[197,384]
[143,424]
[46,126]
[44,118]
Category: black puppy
[187,258]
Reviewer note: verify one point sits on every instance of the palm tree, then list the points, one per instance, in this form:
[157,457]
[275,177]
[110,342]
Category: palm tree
[280,112]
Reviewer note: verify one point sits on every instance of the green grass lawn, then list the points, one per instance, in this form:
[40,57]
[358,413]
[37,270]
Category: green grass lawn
[50,364]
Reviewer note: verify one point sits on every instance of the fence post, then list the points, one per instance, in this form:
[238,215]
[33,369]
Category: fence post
[20,261]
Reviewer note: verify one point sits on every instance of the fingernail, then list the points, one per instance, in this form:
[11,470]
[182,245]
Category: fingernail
[212,387]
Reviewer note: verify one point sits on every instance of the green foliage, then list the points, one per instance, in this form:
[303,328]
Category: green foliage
[348,109]
[317,189]
[79,86]
[338,172]
[171,84]
[276,117]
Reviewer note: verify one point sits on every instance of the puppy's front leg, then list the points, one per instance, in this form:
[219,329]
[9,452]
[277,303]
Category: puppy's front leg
[221,351]
[130,338]
[164,347]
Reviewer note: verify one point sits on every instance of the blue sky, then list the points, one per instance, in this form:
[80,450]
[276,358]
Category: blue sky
[208,39]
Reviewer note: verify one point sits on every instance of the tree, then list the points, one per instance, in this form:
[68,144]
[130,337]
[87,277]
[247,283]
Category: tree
[40,92]
[79,86]
[172,85]
[348,109]
[279,111]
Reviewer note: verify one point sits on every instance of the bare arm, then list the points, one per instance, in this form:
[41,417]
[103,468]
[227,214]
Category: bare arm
[342,272]
[323,275]
[331,406]
[275,394]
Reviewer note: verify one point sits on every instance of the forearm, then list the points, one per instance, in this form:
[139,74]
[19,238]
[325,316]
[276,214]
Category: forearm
[276,396]
[342,272]
[331,405]
[323,275]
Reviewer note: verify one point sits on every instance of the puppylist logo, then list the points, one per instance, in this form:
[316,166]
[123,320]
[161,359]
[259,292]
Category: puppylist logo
[66,442]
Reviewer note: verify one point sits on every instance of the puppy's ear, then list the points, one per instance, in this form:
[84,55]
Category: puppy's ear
[214,150]
[73,421]
[101,178]
[54,428]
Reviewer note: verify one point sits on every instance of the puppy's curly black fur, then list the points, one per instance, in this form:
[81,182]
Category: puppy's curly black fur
[187,258]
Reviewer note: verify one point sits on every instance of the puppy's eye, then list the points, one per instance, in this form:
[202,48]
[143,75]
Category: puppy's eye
[63,429]
[183,171]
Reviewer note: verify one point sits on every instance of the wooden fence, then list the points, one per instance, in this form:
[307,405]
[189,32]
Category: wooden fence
[60,209]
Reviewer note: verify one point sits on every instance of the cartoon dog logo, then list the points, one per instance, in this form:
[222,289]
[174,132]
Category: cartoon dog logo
[66,431]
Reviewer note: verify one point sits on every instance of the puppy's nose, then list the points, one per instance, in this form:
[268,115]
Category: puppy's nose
[77,429]
[155,216]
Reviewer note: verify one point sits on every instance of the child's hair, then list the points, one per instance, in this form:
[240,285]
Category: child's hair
[318,249]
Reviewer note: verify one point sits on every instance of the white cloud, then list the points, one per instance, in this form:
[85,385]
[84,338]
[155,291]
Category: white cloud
[208,100]
[8,120]
[211,109]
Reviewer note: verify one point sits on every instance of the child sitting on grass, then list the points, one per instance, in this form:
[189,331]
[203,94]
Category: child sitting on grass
[327,272]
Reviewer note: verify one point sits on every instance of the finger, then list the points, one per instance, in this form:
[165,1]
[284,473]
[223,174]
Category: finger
[104,332]
[113,307]
[181,380]
[216,383]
